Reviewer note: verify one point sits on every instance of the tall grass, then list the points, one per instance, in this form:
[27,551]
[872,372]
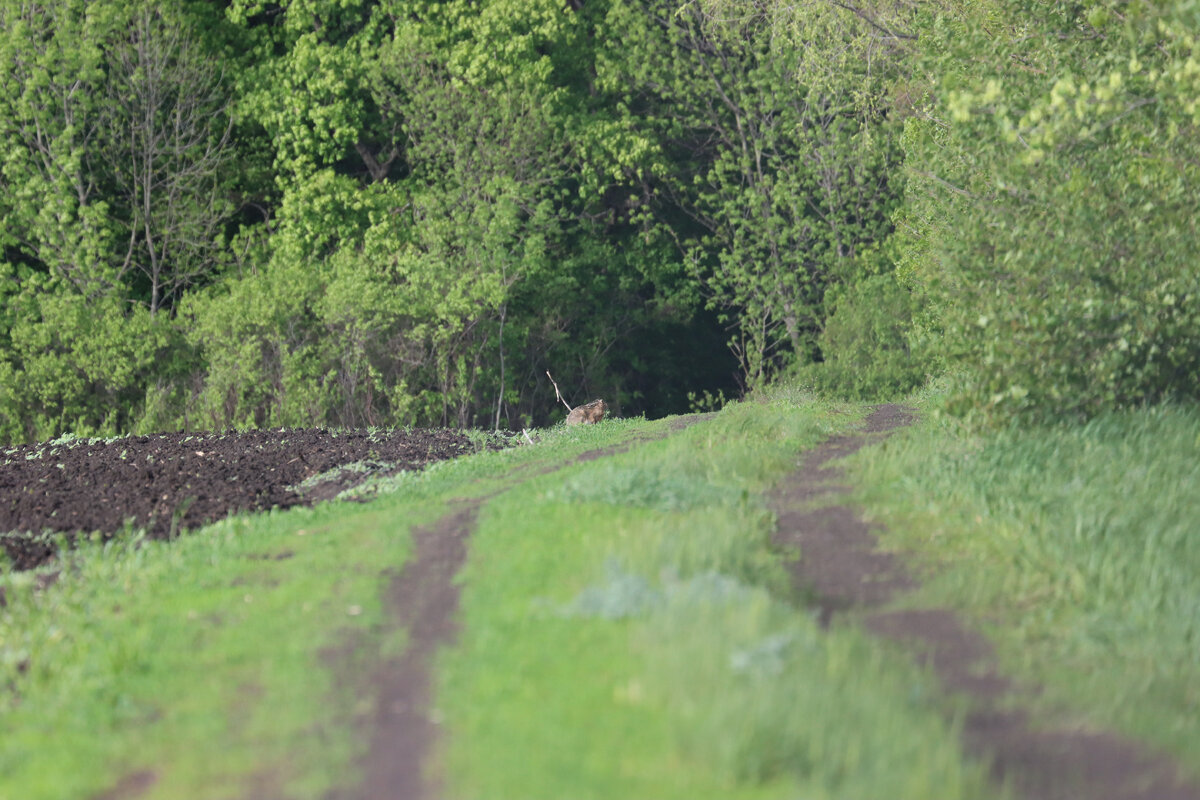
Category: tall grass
[1079,544]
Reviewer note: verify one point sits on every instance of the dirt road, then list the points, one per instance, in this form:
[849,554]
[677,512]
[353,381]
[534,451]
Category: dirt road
[845,576]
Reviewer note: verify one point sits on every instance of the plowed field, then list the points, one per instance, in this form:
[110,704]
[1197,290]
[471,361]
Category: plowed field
[172,482]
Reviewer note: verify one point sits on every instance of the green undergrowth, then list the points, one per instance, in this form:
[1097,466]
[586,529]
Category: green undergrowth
[629,633]
[209,660]
[1075,546]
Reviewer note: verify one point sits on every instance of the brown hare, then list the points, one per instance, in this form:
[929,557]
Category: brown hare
[588,414]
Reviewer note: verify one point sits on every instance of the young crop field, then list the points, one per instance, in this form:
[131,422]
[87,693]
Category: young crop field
[790,598]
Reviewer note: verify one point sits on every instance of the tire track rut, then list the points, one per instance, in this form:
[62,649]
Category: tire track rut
[842,572]
[424,599]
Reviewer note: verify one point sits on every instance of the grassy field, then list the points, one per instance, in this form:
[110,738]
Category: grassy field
[1075,547]
[627,632]
[627,628]
[201,659]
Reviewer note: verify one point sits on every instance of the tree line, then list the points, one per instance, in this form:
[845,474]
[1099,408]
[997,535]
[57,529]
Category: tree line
[403,212]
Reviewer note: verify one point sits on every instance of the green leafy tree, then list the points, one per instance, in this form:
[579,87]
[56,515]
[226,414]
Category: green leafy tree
[406,272]
[112,144]
[1053,170]
[115,136]
[164,143]
[55,212]
[865,343]
[456,165]
[788,168]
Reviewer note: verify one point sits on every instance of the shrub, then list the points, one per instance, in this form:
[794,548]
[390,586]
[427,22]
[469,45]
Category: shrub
[865,343]
[1051,187]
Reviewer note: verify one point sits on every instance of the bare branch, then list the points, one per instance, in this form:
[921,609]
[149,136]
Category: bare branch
[557,393]
[867,18]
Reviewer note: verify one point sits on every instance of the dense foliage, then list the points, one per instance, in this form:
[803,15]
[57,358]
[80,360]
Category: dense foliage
[380,212]
[321,212]
[1051,210]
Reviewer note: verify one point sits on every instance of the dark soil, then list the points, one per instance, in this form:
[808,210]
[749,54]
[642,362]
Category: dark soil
[174,482]
[423,598]
[1046,764]
[841,571]
[133,785]
[839,566]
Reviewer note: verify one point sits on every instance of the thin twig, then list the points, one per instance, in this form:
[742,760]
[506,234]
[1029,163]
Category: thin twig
[873,23]
[557,393]
[944,183]
[525,433]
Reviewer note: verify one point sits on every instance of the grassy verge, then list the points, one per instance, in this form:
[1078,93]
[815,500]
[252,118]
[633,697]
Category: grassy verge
[1076,547]
[627,633]
[201,659]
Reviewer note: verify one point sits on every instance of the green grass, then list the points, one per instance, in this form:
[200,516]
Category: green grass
[139,650]
[202,660]
[628,633]
[1076,546]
